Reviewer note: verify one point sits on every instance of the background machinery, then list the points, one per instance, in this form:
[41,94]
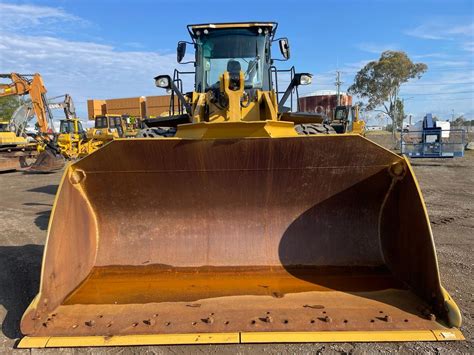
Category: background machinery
[237,228]
[32,85]
[432,138]
[72,139]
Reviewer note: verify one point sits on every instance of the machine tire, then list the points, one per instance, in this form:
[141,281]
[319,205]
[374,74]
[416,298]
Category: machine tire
[157,132]
[314,128]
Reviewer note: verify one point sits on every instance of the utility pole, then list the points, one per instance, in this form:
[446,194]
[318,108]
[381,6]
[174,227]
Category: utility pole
[452,119]
[338,86]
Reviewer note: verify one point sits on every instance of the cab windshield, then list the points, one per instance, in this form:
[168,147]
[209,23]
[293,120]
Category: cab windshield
[115,121]
[66,127]
[4,127]
[232,50]
[101,122]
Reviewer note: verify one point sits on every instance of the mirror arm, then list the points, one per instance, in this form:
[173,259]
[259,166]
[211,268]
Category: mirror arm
[181,97]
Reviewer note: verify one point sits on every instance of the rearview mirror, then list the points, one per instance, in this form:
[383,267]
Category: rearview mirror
[181,51]
[284,48]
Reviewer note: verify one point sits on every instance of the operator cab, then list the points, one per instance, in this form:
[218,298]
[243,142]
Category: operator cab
[221,48]
[344,117]
[68,127]
[110,122]
[4,126]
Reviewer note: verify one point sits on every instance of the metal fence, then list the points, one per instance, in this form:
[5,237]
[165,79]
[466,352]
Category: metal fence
[433,143]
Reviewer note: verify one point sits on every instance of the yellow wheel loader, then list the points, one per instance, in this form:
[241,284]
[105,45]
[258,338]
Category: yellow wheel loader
[237,229]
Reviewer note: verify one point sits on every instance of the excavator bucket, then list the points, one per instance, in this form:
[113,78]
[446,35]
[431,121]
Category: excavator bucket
[181,241]
[47,162]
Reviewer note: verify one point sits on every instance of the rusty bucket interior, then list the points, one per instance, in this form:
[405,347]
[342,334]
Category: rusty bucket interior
[172,236]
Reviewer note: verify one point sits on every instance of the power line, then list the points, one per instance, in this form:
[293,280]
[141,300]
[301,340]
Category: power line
[338,86]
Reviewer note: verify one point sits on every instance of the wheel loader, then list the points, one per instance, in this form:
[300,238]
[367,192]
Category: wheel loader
[237,229]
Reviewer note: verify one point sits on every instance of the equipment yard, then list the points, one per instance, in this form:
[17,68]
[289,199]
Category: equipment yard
[447,187]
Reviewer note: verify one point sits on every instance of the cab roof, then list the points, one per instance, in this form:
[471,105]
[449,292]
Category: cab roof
[192,29]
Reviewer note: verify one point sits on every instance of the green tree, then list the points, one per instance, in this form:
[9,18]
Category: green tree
[8,105]
[459,121]
[378,83]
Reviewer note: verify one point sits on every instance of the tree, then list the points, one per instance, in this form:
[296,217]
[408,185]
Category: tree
[8,105]
[459,121]
[378,83]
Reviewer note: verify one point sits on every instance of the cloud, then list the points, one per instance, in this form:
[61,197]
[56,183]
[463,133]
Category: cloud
[468,46]
[377,48]
[86,70]
[441,30]
[429,55]
[17,17]
[83,69]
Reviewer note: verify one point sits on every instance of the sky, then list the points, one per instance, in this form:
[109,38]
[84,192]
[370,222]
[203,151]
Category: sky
[109,49]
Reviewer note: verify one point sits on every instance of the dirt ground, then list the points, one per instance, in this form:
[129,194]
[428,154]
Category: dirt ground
[448,188]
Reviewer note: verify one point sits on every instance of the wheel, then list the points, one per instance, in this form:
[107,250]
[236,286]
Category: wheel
[314,128]
[156,132]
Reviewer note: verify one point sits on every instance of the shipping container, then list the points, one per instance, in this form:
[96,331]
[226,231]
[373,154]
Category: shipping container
[131,106]
[156,105]
[95,108]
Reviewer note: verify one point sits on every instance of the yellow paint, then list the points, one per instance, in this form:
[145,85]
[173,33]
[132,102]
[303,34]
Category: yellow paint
[122,340]
[232,113]
[241,129]
[344,336]
[33,342]
[448,335]
[245,337]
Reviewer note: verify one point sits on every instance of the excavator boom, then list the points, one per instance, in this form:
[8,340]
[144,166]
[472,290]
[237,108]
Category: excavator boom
[33,85]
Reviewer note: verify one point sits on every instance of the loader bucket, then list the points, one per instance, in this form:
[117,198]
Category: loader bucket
[315,238]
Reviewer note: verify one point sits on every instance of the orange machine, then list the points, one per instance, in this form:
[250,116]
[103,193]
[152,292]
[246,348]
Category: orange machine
[33,85]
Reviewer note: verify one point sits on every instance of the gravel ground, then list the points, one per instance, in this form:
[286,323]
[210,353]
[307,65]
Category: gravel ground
[447,185]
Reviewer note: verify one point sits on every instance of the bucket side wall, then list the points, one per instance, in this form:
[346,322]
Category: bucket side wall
[69,254]
[408,244]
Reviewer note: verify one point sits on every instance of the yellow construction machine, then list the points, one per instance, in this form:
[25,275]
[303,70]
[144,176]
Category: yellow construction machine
[107,128]
[72,139]
[346,119]
[237,229]
[50,158]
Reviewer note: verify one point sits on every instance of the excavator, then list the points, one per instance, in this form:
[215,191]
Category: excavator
[32,84]
[237,229]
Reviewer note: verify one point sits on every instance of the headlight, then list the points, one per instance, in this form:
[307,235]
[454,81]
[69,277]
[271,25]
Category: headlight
[163,81]
[305,79]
